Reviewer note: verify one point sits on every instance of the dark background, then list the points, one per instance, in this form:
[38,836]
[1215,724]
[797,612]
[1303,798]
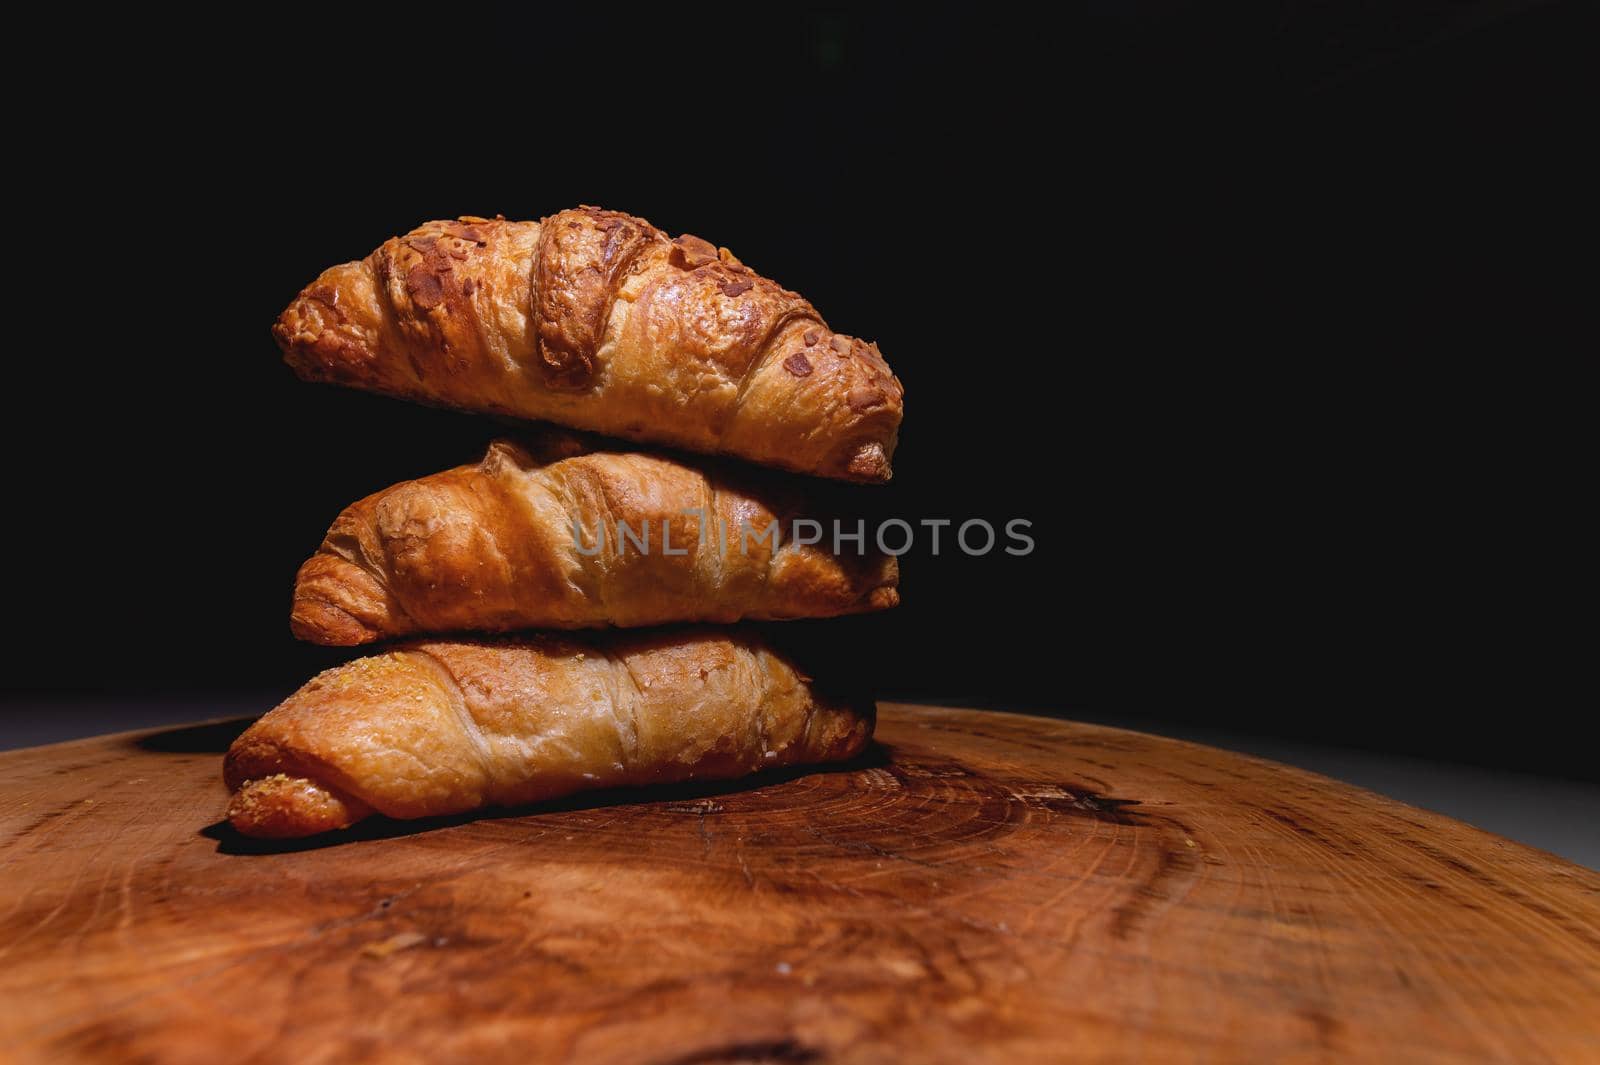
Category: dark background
[1259,313]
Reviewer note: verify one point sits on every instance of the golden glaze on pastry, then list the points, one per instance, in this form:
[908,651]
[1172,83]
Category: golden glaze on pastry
[492,548]
[596,320]
[444,727]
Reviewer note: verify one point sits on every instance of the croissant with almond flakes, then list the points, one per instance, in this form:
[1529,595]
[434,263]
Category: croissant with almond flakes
[597,320]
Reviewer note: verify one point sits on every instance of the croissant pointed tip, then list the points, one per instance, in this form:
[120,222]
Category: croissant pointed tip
[884,598]
[285,807]
[870,463]
[318,621]
[323,333]
[337,603]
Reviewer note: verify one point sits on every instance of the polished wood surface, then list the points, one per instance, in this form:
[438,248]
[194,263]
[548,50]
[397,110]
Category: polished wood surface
[983,887]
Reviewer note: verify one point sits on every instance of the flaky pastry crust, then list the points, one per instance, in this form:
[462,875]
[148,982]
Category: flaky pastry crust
[560,535]
[596,320]
[443,727]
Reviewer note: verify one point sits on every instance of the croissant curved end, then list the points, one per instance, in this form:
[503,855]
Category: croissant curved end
[339,604]
[285,807]
[870,463]
[319,337]
[319,621]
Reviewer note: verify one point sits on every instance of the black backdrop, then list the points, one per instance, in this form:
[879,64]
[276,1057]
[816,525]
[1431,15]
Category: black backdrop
[1243,306]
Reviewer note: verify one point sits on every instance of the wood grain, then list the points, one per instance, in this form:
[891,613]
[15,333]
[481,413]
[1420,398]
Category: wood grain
[985,887]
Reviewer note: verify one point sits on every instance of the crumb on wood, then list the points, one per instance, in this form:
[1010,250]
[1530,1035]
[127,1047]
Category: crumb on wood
[395,943]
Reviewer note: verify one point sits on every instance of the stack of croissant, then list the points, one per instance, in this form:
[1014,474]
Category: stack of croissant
[595,321]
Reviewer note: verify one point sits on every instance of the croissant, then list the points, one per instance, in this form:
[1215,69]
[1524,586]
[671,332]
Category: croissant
[596,320]
[586,540]
[443,727]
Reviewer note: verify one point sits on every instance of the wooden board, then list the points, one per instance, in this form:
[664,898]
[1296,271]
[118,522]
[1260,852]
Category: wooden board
[987,887]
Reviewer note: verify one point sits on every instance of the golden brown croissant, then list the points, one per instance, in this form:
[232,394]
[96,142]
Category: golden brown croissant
[494,547]
[443,727]
[596,320]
